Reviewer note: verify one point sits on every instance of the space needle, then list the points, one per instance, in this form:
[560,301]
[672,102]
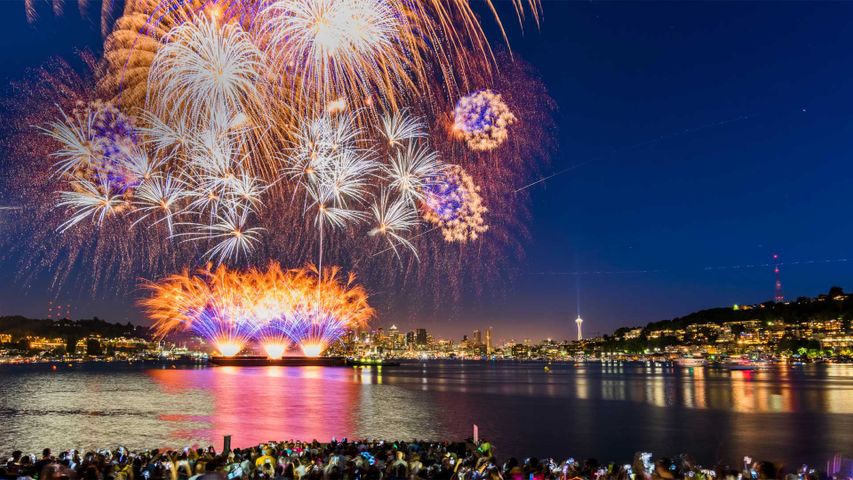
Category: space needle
[579,321]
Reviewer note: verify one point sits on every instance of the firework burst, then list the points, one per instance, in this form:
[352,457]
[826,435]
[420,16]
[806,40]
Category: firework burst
[342,53]
[482,119]
[399,127]
[394,220]
[412,170]
[453,203]
[95,199]
[275,307]
[98,143]
[249,144]
[159,197]
[203,68]
[331,40]
[213,305]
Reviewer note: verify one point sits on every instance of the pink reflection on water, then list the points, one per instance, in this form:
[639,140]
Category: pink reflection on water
[255,405]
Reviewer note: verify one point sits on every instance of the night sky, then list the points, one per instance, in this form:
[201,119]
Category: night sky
[696,139]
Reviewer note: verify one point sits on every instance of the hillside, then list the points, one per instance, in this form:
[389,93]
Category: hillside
[835,304]
[19,326]
[790,323]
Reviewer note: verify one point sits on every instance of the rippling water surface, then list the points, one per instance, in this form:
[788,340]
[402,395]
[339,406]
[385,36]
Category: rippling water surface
[603,410]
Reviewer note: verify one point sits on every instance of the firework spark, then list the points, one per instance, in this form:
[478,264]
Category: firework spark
[369,50]
[159,196]
[97,142]
[330,39]
[334,171]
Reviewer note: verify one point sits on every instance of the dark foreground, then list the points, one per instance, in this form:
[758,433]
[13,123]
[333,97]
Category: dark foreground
[375,460]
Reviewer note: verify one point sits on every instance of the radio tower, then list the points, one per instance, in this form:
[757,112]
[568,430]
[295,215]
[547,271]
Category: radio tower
[778,296]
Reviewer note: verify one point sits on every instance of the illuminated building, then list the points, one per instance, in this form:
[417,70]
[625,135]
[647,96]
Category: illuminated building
[579,321]
[395,337]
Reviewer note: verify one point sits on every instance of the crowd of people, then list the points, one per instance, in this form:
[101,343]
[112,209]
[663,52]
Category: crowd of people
[369,460]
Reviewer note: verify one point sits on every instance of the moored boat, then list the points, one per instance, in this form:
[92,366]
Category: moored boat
[691,362]
[748,364]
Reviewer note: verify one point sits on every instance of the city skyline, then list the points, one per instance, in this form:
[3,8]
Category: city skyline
[806,327]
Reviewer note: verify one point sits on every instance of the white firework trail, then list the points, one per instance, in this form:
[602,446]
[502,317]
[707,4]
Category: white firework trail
[159,196]
[247,189]
[327,212]
[348,176]
[393,220]
[230,231]
[162,135]
[412,169]
[142,166]
[201,67]
[77,142]
[400,127]
[89,199]
[328,41]
[311,153]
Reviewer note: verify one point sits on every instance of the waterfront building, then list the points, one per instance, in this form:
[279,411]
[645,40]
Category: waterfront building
[421,338]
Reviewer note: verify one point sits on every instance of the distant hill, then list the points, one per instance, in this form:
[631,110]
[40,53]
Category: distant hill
[19,326]
[835,304]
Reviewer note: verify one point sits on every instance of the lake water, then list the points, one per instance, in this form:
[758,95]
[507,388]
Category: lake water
[604,410]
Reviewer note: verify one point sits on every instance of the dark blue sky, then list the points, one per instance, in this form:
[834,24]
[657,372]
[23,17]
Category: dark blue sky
[704,134]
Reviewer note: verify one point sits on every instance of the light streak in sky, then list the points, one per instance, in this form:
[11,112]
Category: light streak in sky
[743,266]
[634,146]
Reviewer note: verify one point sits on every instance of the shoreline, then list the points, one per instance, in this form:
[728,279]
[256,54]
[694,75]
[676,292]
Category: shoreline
[261,362]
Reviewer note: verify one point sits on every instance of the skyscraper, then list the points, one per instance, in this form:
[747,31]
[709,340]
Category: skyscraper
[421,337]
[489,341]
[477,337]
[395,336]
